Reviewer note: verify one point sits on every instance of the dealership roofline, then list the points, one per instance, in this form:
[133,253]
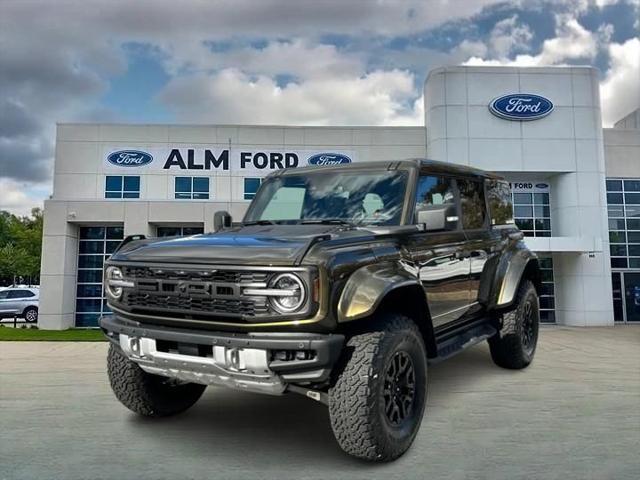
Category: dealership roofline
[238,125]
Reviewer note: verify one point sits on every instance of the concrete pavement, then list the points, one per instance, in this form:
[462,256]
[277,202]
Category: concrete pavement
[573,414]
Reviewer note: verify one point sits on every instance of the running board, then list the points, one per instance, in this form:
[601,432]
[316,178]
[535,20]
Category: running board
[451,346]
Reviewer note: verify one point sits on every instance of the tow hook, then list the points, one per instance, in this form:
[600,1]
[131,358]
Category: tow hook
[316,395]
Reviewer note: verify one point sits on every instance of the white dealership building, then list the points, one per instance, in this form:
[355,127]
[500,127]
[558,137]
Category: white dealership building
[576,186]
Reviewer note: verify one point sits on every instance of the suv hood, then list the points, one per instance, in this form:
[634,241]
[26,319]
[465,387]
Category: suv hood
[259,244]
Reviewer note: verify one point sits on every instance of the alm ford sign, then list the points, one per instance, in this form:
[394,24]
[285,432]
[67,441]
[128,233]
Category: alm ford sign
[129,158]
[521,106]
[328,159]
[217,157]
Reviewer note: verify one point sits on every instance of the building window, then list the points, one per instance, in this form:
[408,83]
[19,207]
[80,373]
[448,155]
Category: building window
[192,188]
[547,292]
[122,186]
[532,214]
[178,231]
[623,199]
[623,210]
[251,186]
[94,247]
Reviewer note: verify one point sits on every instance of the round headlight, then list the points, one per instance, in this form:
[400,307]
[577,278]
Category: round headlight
[113,282]
[295,293]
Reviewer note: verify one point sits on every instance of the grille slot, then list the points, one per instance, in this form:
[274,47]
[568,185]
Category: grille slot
[216,276]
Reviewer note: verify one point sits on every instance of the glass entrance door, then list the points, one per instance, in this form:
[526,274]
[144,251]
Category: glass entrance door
[632,296]
[618,298]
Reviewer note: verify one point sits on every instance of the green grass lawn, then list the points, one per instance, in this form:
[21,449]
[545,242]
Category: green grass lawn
[32,335]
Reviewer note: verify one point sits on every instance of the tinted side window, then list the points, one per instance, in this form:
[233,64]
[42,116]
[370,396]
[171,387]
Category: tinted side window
[4,294]
[472,204]
[20,294]
[500,205]
[434,191]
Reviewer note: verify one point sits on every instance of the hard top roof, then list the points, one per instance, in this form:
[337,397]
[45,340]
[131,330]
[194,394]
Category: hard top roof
[425,165]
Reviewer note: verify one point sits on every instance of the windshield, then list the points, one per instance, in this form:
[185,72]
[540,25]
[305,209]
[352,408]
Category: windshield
[360,198]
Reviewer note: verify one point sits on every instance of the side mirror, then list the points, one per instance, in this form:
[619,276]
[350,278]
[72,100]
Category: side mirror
[437,217]
[221,219]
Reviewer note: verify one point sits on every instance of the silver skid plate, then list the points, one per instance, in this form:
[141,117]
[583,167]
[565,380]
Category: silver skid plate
[240,368]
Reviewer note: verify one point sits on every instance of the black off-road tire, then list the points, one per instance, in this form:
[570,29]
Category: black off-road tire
[147,394]
[515,345]
[30,314]
[357,402]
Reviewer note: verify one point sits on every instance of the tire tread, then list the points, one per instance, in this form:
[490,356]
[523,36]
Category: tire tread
[144,393]
[506,347]
[354,417]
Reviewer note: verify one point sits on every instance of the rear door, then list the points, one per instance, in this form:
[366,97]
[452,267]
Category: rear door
[21,298]
[483,242]
[438,255]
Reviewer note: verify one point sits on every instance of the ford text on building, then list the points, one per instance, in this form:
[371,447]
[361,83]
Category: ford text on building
[576,187]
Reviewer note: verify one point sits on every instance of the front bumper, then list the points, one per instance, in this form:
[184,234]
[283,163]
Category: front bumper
[259,362]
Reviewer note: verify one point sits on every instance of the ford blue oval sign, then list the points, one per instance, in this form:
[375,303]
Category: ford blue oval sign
[326,159]
[521,106]
[130,158]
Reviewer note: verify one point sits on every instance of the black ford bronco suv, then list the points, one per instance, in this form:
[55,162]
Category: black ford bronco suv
[341,284]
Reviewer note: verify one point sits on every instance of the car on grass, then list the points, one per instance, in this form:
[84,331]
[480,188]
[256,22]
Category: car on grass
[342,283]
[20,302]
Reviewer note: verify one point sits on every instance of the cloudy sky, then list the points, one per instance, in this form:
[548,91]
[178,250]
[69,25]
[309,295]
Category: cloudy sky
[316,62]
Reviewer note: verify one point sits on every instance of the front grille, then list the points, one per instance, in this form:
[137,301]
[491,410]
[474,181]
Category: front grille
[194,305]
[189,293]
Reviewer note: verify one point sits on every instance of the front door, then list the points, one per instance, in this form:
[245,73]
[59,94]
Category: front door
[439,257]
[7,302]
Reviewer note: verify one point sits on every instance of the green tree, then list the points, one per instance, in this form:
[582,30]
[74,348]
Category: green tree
[20,246]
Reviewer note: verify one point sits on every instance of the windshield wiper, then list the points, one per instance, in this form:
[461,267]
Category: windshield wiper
[326,221]
[258,222]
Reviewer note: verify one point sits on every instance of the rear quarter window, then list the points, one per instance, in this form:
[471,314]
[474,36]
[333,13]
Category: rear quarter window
[472,203]
[500,203]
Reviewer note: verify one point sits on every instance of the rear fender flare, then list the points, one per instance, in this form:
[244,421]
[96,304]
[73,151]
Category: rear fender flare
[509,272]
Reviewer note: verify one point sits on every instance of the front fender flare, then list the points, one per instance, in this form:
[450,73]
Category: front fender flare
[367,286]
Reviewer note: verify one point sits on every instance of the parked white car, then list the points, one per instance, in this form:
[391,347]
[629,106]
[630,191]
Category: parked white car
[20,301]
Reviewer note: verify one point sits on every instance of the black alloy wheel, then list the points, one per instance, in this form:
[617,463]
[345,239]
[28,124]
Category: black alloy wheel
[528,326]
[399,388]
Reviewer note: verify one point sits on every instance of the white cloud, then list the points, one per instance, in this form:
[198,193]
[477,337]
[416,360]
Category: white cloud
[572,42]
[620,90]
[298,57]
[470,48]
[20,197]
[508,36]
[232,96]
